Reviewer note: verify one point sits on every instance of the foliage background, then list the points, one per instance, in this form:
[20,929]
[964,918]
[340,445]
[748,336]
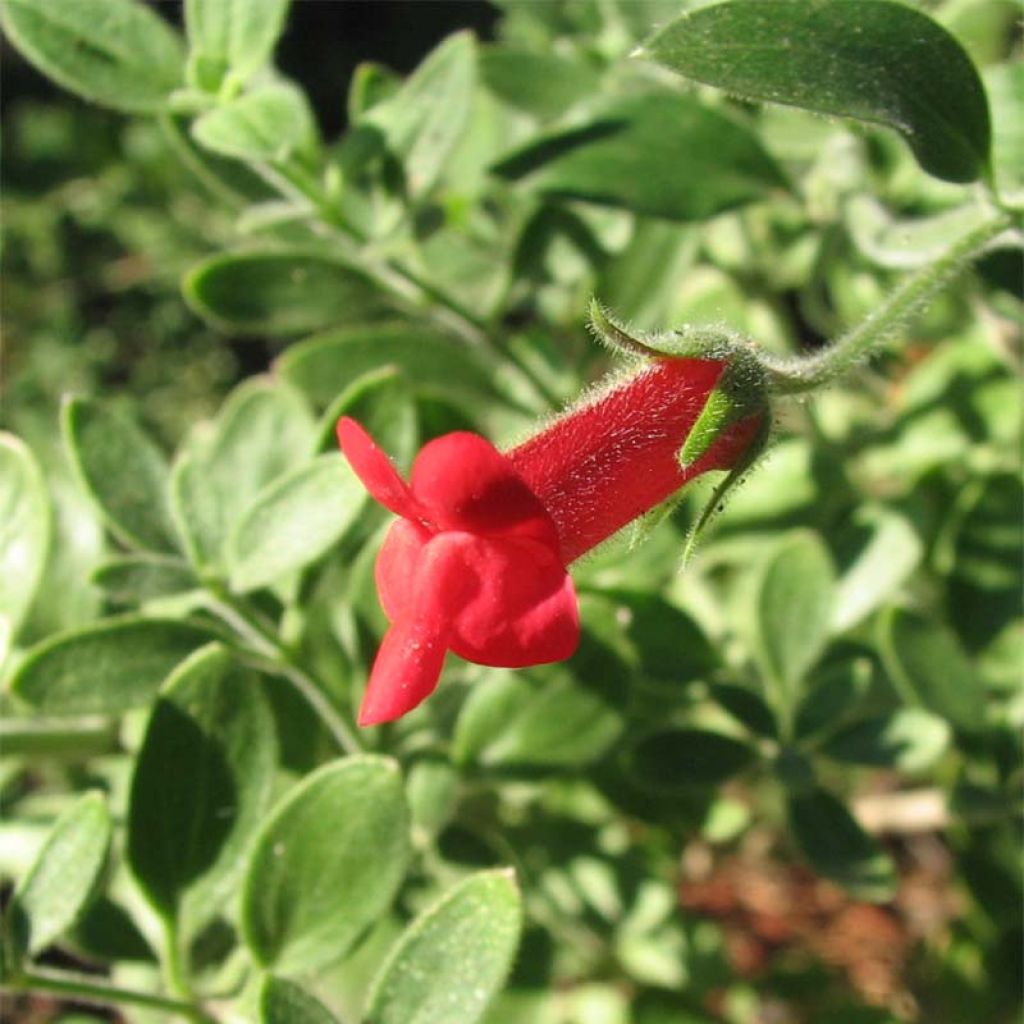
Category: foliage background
[680,801]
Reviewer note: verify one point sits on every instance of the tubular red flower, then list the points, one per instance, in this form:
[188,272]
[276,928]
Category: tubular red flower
[477,562]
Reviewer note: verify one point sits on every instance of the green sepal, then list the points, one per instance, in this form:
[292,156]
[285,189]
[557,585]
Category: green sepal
[754,451]
[739,393]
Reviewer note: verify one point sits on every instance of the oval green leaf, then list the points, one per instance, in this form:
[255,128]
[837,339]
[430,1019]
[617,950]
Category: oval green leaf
[793,599]
[284,1002]
[118,53]
[661,153]
[63,878]
[263,431]
[122,471]
[673,759]
[927,663]
[873,60]
[224,34]
[909,739]
[24,535]
[189,829]
[105,668]
[280,292]
[454,958]
[327,863]
[136,579]
[838,848]
[294,521]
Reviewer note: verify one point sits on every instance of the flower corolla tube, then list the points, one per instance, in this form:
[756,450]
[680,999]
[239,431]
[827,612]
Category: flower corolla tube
[477,562]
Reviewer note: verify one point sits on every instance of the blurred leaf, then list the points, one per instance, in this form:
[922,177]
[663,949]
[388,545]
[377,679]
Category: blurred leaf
[838,848]
[284,1002]
[293,521]
[106,932]
[268,124]
[104,668]
[987,546]
[837,693]
[263,431]
[543,84]
[327,863]
[672,759]
[871,60]
[123,472]
[454,958]
[422,122]
[189,829]
[909,739]
[24,535]
[747,707]
[1005,86]
[227,35]
[930,668]
[432,791]
[136,579]
[72,738]
[324,366]
[118,53]
[63,878]
[887,560]
[661,153]
[793,602]
[287,292]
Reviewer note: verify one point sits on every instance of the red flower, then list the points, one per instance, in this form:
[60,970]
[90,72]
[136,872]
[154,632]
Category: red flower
[477,562]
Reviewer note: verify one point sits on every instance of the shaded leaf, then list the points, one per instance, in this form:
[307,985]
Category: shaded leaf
[663,154]
[326,865]
[294,521]
[673,759]
[104,668]
[63,878]
[454,958]
[838,848]
[909,739]
[872,60]
[24,535]
[544,84]
[280,292]
[118,53]
[136,579]
[122,471]
[189,829]
[284,1002]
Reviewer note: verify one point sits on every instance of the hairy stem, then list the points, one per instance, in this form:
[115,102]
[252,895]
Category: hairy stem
[794,376]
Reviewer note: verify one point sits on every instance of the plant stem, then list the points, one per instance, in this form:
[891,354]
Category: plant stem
[793,376]
[282,662]
[89,989]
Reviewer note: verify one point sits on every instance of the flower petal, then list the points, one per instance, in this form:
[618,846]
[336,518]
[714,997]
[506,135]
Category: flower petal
[375,469]
[465,483]
[405,671]
[506,601]
[396,566]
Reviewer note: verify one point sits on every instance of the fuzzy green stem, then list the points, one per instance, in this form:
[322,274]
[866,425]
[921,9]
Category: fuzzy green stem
[800,375]
[280,660]
[99,991]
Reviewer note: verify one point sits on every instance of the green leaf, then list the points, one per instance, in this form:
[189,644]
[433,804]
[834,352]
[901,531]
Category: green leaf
[660,153]
[104,668]
[838,848]
[908,739]
[423,121]
[263,431]
[284,1002]
[454,958]
[294,521]
[118,53]
[551,720]
[326,865]
[24,535]
[747,707]
[892,553]
[189,829]
[673,759]
[288,292]
[872,60]
[136,579]
[837,694]
[268,124]
[541,83]
[123,472]
[793,598]
[929,666]
[63,879]
[1005,86]
[324,366]
[228,34]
